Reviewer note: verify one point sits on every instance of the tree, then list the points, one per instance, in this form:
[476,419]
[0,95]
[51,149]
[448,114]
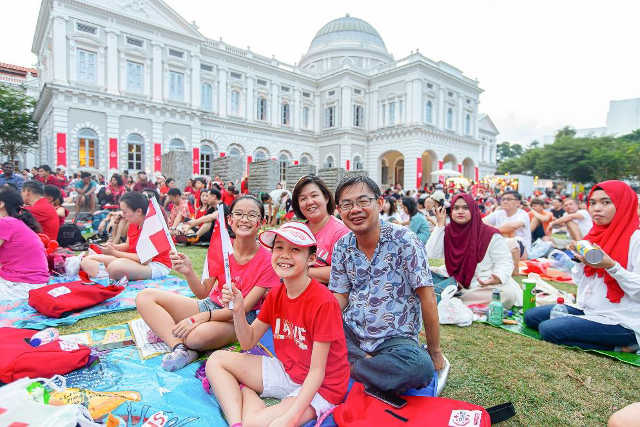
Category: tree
[566,131]
[18,131]
[505,150]
[534,144]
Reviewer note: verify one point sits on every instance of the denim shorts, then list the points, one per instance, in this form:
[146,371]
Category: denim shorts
[208,305]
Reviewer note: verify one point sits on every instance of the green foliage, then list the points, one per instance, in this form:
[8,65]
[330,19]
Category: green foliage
[585,160]
[506,150]
[18,131]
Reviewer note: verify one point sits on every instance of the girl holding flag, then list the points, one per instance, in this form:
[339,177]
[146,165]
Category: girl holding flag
[189,325]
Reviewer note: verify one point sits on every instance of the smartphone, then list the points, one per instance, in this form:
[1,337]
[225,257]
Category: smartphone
[387,397]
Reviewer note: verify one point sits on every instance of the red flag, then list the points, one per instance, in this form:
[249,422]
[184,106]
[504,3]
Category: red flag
[61,149]
[154,237]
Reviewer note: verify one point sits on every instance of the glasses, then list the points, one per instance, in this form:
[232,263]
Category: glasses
[507,199]
[251,216]
[363,202]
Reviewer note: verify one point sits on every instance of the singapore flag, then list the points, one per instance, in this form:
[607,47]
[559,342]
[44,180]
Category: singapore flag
[154,237]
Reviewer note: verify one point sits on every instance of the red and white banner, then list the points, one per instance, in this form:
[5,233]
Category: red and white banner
[196,161]
[222,154]
[348,164]
[440,166]
[157,157]
[476,173]
[419,172]
[154,237]
[249,160]
[113,153]
[295,162]
[61,149]
[460,167]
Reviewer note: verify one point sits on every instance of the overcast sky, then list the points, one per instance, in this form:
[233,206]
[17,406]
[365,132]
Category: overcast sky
[542,64]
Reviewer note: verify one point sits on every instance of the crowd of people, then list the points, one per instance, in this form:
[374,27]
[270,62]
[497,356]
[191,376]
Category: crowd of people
[341,278]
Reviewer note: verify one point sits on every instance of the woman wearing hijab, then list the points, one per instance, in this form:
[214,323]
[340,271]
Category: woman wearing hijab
[607,312]
[474,253]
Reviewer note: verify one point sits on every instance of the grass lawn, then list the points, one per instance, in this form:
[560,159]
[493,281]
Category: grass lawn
[548,384]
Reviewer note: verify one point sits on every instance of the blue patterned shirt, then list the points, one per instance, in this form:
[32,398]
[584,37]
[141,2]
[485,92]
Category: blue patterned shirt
[14,179]
[382,292]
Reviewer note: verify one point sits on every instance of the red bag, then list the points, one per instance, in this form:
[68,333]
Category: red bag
[362,410]
[63,298]
[19,359]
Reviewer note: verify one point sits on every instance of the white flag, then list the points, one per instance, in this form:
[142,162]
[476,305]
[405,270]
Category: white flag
[154,237]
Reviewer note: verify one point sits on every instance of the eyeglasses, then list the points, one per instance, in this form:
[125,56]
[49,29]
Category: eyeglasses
[251,216]
[507,199]
[362,202]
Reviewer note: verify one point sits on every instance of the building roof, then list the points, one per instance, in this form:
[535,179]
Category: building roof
[348,29]
[17,69]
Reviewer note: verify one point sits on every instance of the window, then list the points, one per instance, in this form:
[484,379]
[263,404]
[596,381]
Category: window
[358,115]
[430,85]
[384,114]
[428,112]
[329,162]
[451,94]
[235,102]
[305,117]
[259,155]
[384,172]
[135,42]
[176,86]
[392,113]
[135,145]
[206,67]
[206,155]
[305,160]
[135,77]
[262,82]
[467,124]
[176,53]
[87,145]
[86,66]
[176,144]
[237,76]
[285,88]
[332,92]
[330,117]
[400,110]
[306,94]
[234,152]
[357,163]
[284,162]
[285,114]
[449,118]
[261,110]
[206,95]
[357,91]
[86,28]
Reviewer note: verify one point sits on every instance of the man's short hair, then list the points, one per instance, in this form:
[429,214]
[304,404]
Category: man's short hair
[174,192]
[214,192]
[84,175]
[538,202]
[45,168]
[36,187]
[357,179]
[514,193]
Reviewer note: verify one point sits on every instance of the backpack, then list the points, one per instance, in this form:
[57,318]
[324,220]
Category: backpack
[60,299]
[69,234]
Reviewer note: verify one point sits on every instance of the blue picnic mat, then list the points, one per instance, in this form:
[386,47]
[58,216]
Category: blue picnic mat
[19,314]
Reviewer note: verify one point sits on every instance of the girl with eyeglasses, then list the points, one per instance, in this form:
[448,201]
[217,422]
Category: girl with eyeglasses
[190,325]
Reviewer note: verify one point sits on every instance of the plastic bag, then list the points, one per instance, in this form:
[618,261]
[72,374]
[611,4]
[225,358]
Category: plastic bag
[451,310]
[547,294]
[540,248]
[72,265]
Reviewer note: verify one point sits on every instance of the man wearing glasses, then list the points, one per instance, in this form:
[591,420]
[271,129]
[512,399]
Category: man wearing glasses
[380,276]
[513,223]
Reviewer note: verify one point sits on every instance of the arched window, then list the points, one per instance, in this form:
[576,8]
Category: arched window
[259,155]
[234,152]
[329,162]
[176,144]
[357,163]
[285,114]
[384,172]
[467,124]
[135,148]
[87,148]
[284,162]
[429,112]
[399,172]
[206,155]
[305,160]
[449,118]
[261,110]
[235,102]
[206,94]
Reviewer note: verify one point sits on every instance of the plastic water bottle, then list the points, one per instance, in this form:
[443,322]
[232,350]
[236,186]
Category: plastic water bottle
[559,310]
[43,337]
[560,260]
[495,309]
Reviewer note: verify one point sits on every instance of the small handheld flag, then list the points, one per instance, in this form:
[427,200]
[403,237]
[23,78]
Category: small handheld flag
[154,238]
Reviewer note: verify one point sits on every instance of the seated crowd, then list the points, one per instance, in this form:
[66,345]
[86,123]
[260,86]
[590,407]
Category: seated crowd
[346,289]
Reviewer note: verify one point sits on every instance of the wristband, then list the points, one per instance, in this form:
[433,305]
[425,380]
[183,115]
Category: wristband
[209,316]
[192,320]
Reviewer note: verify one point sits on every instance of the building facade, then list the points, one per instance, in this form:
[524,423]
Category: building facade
[122,82]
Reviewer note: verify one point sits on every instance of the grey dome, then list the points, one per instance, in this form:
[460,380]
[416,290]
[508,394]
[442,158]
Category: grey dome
[347,29]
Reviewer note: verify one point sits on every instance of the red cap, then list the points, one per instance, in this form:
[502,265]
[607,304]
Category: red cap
[560,300]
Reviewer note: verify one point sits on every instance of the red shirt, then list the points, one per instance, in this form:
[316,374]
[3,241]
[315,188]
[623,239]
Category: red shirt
[133,233]
[297,323]
[44,212]
[257,272]
[63,218]
[227,197]
[326,239]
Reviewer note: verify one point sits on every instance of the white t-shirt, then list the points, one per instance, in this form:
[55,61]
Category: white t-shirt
[499,217]
[585,223]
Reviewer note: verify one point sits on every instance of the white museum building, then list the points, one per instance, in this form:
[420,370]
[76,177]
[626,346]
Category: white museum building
[124,81]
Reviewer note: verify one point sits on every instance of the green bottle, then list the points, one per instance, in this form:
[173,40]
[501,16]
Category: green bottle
[495,309]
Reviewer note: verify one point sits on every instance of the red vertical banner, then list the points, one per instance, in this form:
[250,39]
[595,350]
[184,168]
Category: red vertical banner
[157,157]
[460,167]
[476,173]
[348,164]
[196,161]
[419,172]
[249,160]
[113,153]
[295,162]
[440,166]
[222,154]
[61,149]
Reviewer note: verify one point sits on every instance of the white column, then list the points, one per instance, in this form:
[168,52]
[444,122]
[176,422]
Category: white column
[318,121]
[347,108]
[158,137]
[461,113]
[59,50]
[101,67]
[147,76]
[122,72]
[222,93]
[408,113]
[251,101]
[72,72]
[112,61]
[158,72]
[195,81]
[441,107]
[417,101]
[373,110]
[275,105]
[344,155]
[297,110]
[474,120]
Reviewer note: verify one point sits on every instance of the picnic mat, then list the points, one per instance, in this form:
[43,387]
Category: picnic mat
[521,329]
[19,314]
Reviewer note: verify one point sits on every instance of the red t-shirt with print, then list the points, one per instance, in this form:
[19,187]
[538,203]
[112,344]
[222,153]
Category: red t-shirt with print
[133,233]
[297,323]
[257,272]
[46,215]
